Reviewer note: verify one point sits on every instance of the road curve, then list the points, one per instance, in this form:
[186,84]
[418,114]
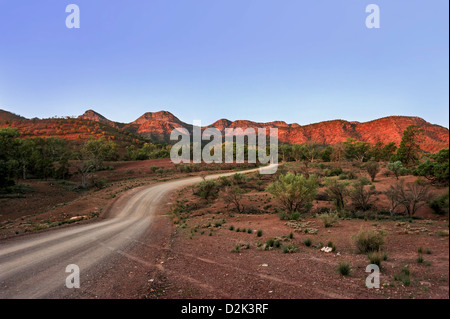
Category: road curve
[34,266]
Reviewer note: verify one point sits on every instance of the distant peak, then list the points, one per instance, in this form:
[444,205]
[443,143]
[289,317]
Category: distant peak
[158,116]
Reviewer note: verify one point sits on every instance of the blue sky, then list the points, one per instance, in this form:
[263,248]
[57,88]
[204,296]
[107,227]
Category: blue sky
[261,60]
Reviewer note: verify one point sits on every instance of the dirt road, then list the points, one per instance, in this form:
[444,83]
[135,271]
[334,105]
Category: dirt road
[34,266]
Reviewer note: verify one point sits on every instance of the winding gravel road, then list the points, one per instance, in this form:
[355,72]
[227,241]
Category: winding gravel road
[34,266]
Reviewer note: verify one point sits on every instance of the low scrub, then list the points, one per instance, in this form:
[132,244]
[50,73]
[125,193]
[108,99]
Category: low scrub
[329,219]
[368,241]
[344,268]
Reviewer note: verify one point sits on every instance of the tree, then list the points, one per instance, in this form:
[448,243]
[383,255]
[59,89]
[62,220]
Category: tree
[381,152]
[326,154]
[24,153]
[339,152]
[337,191]
[437,169]
[285,151]
[360,195]
[356,149]
[397,168]
[393,193]
[373,168]
[411,196]
[8,148]
[295,192]
[388,151]
[233,195]
[408,151]
[297,152]
[414,195]
[92,155]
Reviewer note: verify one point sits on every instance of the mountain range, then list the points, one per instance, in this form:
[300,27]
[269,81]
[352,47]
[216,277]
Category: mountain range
[157,126]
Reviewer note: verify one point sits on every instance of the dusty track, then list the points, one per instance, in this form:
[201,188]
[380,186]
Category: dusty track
[34,266]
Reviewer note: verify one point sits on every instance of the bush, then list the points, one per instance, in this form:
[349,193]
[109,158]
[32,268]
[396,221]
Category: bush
[259,233]
[362,197]
[344,268]
[437,169]
[294,192]
[289,249]
[233,195]
[440,204]
[207,189]
[272,243]
[224,181]
[373,168]
[420,259]
[322,196]
[403,276]
[376,257]
[239,179]
[397,168]
[329,219]
[368,241]
[287,216]
[336,172]
[99,183]
[307,242]
[337,191]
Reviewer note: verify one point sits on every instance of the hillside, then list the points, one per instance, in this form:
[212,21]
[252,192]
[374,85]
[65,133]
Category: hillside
[71,129]
[157,126]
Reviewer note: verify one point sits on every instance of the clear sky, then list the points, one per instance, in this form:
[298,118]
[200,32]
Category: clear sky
[261,60]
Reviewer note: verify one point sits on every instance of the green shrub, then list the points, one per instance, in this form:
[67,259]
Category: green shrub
[337,191]
[294,192]
[289,249]
[207,189]
[440,204]
[307,242]
[368,241]
[404,276]
[237,249]
[329,219]
[376,257]
[344,268]
[372,168]
[436,169]
[420,259]
[259,233]
[397,168]
[336,172]
[361,196]
[290,216]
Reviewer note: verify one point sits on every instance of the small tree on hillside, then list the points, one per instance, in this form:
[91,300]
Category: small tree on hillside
[408,151]
[373,168]
[361,196]
[337,191]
